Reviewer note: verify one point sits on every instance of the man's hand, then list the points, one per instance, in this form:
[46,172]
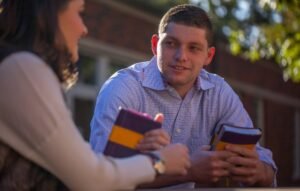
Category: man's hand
[209,166]
[155,139]
[246,167]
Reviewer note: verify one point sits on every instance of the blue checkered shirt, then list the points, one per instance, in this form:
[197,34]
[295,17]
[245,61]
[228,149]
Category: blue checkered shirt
[191,121]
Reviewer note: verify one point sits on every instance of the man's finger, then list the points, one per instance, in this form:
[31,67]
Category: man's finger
[159,117]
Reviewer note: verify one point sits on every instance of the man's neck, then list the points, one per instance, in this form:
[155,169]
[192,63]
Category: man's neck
[183,90]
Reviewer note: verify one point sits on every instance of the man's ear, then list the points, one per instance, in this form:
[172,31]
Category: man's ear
[210,55]
[154,42]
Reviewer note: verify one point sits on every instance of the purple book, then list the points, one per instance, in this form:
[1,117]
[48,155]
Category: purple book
[128,129]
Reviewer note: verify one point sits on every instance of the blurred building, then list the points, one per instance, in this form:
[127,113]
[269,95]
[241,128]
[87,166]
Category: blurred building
[120,34]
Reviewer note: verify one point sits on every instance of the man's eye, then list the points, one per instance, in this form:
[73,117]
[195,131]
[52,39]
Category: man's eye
[194,48]
[170,43]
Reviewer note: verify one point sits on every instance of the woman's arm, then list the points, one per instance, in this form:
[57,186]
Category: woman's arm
[37,123]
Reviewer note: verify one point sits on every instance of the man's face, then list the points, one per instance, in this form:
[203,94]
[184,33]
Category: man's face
[181,52]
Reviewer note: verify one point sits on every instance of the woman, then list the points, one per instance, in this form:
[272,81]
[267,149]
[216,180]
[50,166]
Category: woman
[39,39]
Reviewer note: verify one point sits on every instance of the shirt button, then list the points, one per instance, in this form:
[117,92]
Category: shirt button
[178,130]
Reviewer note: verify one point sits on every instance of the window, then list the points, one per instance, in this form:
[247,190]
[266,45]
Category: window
[81,98]
[94,69]
[83,114]
[87,70]
[116,65]
[97,62]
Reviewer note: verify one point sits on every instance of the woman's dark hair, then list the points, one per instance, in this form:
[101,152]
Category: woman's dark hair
[32,25]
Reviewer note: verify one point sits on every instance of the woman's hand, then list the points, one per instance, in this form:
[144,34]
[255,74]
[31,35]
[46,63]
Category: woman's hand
[176,159]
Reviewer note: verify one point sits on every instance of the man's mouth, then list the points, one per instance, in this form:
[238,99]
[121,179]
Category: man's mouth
[179,68]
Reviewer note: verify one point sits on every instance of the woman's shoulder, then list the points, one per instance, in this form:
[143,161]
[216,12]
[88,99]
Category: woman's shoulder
[27,66]
[25,61]
[23,57]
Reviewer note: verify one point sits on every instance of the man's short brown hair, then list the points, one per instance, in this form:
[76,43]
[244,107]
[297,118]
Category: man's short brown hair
[189,15]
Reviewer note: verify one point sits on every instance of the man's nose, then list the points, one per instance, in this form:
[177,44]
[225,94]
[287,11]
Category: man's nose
[181,54]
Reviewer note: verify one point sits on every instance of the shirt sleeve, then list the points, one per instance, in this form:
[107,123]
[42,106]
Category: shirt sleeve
[35,121]
[233,112]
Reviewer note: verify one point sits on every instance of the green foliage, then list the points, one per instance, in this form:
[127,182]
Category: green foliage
[256,29]
[270,31]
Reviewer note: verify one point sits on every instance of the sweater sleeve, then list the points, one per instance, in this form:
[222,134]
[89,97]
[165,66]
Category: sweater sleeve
[35,121]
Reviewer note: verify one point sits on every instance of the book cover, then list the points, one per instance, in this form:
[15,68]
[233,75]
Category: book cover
[129,128]
[227,134]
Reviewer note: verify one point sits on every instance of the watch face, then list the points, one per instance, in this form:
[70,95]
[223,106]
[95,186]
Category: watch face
[158,163]
[160,167]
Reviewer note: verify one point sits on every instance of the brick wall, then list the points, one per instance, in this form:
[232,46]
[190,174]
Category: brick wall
[263,74]
[279,137]
[118,28]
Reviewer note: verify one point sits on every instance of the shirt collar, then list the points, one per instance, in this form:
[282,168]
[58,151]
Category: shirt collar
[203,81]
[152,78]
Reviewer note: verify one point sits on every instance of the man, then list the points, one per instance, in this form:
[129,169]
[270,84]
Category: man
[193,101]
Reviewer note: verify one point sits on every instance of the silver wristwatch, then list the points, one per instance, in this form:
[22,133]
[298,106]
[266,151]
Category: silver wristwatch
[157,162]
